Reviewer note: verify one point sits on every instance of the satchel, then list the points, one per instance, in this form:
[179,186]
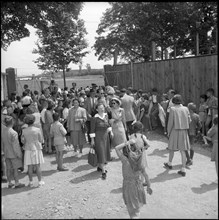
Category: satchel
[92,157]
[84,127]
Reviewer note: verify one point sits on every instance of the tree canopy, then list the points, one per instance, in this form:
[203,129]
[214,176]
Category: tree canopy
[130,27]
[15,16]
[61,42]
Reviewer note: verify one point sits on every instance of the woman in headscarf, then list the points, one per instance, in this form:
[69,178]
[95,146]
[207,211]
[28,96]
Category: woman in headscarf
[133,168]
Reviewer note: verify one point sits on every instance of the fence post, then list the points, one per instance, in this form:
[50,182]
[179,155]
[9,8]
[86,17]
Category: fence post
[216,40]
[132,74]
[153,52]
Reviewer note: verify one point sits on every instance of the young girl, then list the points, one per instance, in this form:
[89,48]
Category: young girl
[131,155]
[194,129]
[212,135]
[141,140]
[58,132]
[33,156]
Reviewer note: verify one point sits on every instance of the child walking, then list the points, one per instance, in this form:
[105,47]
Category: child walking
[33,156]
[194,129]
[131,156]
[58,132]
[12,153]
[212,135]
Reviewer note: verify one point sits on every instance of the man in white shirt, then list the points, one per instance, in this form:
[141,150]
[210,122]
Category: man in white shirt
[26,100]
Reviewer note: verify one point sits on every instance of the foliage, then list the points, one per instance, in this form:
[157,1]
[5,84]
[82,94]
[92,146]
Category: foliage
[130,27]
[15,16]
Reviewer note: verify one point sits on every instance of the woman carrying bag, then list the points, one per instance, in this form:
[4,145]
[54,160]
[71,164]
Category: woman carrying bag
[100,129]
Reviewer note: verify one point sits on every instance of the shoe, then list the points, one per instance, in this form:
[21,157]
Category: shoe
[41,183]
[79,155]
[30,184]
[145,184]
[166,165]
[4,179]
[75,154]
[21,169]
[63,169]
[189,163]
[10,185]
[99,169]
[180,172]
[103,176]
[20,185]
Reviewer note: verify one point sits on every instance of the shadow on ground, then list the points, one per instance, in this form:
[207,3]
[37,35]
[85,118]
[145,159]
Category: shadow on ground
[116,191]
[160,153]
[165,176]
[204,188]
[82,168]
[6,191]
[71,159]
[90,176]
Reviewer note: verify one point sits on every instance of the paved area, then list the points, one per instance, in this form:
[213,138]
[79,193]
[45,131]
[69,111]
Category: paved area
[81,193]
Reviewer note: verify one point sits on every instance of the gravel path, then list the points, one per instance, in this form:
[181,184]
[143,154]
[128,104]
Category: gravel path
[81,193]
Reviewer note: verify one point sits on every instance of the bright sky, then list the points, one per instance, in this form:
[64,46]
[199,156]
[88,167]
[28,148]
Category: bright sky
[19,53]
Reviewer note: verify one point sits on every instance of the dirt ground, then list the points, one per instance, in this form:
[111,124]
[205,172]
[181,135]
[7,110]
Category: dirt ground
[81,193]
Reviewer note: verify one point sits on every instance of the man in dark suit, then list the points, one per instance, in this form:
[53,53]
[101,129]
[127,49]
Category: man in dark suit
[90,106]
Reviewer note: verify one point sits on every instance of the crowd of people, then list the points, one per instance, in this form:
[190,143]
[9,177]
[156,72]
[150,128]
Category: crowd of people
[107,118]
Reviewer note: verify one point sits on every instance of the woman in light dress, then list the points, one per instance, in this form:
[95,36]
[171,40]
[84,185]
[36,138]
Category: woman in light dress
[118,122]
[32,139]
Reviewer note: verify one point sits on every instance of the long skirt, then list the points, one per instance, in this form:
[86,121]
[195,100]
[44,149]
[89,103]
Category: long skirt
[119,134]
[77,138]
[133,194]
[102,146]
[179,140]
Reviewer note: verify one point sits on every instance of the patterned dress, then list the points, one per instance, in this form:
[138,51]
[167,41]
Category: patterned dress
[133,191]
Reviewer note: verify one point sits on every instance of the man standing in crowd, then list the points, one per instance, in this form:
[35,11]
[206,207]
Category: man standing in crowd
[90,107]
[127,103]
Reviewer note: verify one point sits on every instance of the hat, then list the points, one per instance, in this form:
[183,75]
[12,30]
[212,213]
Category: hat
[82,92]
[87,90]
[123,90]
[29,119]
[177,99]
[192,106]
[117,100]
[110,90]
[8,120]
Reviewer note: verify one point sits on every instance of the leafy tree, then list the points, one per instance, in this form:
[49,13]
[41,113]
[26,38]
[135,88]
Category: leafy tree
[60,43]
[15,16]
[130,27]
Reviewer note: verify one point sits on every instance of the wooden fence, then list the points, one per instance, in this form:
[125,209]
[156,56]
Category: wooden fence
[190,76]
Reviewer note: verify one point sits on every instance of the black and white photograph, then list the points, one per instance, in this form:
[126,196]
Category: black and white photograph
[109,110]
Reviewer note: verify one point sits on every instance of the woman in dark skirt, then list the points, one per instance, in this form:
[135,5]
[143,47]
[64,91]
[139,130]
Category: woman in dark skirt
[100,129]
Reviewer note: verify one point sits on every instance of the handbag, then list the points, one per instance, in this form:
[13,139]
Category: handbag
[92,157]
[84,127]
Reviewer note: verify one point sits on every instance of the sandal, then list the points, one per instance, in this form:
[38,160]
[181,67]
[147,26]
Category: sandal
[103,176]
[10,185]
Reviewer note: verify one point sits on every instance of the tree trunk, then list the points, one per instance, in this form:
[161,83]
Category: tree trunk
[153,51]
[115,55]
[174,51]
[64,76]
[161,52]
